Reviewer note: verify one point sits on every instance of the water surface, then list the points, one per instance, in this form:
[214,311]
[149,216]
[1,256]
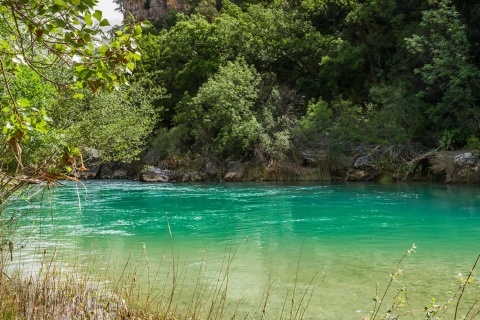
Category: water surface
[347,236]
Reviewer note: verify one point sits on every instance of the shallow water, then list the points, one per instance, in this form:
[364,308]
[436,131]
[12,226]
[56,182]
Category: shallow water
[348,237]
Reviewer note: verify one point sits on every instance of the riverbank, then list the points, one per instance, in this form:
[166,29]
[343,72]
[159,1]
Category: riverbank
[379,164]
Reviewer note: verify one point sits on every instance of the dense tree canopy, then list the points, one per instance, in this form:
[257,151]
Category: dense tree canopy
[315,74]
[250,80]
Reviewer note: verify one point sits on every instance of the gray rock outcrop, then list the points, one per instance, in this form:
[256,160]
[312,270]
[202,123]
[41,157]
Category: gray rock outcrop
[235,170]
[155,174]
[152,9]
[467,159]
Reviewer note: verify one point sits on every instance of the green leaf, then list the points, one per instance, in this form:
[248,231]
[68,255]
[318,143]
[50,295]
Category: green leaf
[78,96]
[23,102]
[4,44]
[56,8]
[88,19]
[60,23]
[135,56]
[103,49]
[97,15]
[146,24]
[138,30]
[100,65]
[104,23]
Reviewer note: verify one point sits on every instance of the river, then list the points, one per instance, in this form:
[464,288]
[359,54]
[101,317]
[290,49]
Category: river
[340,240]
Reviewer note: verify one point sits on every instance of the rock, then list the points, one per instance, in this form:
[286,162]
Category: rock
[189,177]
[235,171]
[362,175]
[91,159]
[120,174]
[211,169]
[92,172]
[152,9]
[155,174]
[356,175]
[464,175]
[118,170]
[363,162]
[91,154]
[363,169]
[315,159]
[309,158]
[466,159]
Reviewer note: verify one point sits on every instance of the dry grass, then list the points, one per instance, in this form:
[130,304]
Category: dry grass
[97,288]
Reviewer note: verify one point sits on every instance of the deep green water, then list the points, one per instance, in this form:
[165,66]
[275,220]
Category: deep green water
[348,235]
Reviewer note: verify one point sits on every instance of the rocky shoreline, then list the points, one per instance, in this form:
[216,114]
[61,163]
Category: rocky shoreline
[458,166]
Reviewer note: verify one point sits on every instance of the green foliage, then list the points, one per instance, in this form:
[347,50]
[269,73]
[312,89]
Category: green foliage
[446,140]
[222,111]
[236,113]
[315,125]
[207,8]
[395,116]
[33,98]
[40,34]
[116,123]
[473,143]
[355,72]
[451,83]
[50,48]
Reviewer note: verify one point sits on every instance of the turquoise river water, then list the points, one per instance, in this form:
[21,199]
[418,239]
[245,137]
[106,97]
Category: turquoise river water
[347,237]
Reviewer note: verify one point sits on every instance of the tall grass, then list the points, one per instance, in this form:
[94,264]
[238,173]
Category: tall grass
[399,307]
[94,286]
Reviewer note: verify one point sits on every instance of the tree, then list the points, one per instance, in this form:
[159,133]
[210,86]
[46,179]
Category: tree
[50,52]
[37,37]
[451,83]
[116,124]
[221,115]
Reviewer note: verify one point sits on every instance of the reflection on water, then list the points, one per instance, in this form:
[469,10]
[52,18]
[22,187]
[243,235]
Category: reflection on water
[348,236]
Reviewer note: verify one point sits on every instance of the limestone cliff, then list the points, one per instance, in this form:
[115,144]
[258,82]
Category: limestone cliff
[152,9]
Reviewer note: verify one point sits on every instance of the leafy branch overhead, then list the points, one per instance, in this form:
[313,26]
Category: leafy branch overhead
[41,35]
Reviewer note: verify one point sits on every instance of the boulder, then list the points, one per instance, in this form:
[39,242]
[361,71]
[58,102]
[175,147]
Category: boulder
[92,172]
[188,177]
[120,174]
[211,169]
[363,169]
[466,159]
[92,159]
[309,158]
[235,170]
[363,162]
[362,174]
[155,174]
[464,175]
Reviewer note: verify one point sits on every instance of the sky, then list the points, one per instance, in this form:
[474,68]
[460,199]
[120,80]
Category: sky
[108,9]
